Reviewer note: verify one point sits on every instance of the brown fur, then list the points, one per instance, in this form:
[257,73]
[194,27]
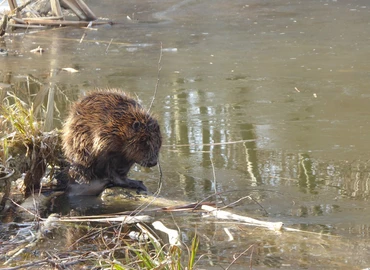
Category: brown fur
[104,135]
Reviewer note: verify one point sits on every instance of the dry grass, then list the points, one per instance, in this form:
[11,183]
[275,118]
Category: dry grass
[24,146]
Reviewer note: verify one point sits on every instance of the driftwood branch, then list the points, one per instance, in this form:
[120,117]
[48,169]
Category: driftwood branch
[276,226]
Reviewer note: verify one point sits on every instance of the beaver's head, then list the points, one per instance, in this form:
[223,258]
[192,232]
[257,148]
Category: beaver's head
[144,139]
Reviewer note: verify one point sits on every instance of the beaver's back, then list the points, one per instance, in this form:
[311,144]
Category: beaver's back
[109,131]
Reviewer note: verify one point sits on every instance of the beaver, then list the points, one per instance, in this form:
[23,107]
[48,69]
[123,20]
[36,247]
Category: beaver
[105,134]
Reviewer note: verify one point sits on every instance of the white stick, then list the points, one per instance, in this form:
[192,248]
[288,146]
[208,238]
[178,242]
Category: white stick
[276,226]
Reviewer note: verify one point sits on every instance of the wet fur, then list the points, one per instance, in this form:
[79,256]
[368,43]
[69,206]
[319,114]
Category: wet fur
[105,134]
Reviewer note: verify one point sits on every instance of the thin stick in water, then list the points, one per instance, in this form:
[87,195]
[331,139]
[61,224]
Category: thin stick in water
[84,34]
[158,73]
[106,51]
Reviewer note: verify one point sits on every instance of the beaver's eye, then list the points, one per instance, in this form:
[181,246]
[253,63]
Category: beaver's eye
[136,125]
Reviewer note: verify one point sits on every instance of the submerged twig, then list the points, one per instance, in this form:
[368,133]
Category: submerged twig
[106,51]
[245,197]
[85,32]
[237,257]
[206,144]
[214,183]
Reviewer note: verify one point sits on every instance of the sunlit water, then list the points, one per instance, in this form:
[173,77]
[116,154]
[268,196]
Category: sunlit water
[282,85]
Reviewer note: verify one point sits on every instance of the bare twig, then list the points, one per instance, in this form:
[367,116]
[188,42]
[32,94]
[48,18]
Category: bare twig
[251,257]
[26,210]
[158,73]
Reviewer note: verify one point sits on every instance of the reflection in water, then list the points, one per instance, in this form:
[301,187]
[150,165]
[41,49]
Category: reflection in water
[307,178]
[202,132]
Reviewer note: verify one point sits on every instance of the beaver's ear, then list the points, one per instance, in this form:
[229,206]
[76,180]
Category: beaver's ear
[136,126]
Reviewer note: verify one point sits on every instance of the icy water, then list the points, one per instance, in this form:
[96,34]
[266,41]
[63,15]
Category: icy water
[267,99]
